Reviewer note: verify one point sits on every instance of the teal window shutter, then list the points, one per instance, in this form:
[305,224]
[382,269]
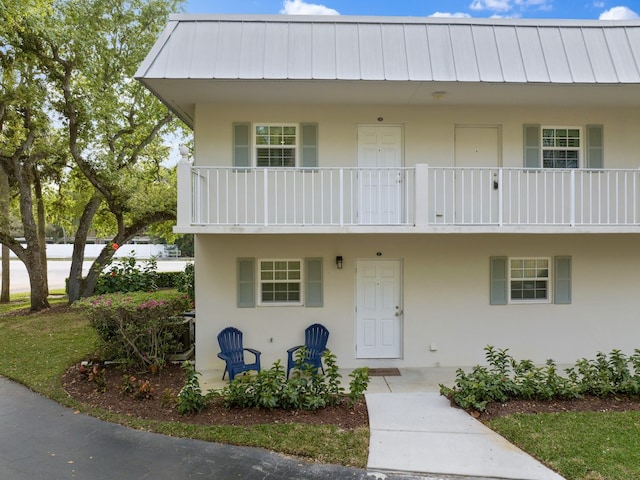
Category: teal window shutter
[562,294]
[309,145]
[595,146]
[532,156]
[246,283]
[499,281]
[241,145]
[313,285]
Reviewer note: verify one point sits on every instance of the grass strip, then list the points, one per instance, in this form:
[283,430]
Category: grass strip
[579,445]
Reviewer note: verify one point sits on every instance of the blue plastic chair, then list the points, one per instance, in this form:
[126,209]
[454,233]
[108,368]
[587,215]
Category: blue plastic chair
[315,342]
[232,352]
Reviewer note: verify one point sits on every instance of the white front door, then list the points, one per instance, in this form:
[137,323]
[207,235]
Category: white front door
[477,190]
[380,179]
[378,309]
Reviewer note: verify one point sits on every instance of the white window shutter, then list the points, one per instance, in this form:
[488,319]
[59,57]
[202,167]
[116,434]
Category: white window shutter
[532,155]
[595,146]
[562,280]
[313,285]
[498,281]
[309,141]
[241,145]
[246,283]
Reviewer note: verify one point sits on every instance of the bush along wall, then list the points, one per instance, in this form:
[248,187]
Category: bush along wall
[507,379]
[140,328]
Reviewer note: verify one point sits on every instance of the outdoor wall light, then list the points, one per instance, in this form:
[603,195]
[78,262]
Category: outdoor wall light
[339,262]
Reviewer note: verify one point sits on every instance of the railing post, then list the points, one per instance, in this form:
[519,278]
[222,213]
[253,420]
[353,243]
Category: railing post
[421,206]
[500,198]
[342,197]
[266,197]
[184,214]
[572,199]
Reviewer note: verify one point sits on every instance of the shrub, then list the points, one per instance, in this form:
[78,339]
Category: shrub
[137,328]
[126,275]
[306,389]
[186,282]
[190,399]
[169,279]
[507,379]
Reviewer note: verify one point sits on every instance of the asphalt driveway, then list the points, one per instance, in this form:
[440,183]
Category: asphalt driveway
[40,439]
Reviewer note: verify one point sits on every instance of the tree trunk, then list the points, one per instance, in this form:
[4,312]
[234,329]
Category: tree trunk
[76,286]
[38,283]
[41,223]
[32,255]
[5,292]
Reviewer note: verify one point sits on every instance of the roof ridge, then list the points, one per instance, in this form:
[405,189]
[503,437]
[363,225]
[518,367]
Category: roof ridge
[391,20]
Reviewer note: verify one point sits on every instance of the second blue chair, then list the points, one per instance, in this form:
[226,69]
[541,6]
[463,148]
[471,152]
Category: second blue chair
[315,342]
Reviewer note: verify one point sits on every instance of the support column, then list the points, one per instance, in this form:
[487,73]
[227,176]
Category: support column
[185,194]
[422,195]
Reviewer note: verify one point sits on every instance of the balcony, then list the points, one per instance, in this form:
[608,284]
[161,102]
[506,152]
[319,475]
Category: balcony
[414,199]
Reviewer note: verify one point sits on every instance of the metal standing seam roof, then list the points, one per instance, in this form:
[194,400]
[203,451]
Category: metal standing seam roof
[279,47]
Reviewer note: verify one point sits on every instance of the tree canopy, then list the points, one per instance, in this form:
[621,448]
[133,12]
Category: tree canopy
[81,140]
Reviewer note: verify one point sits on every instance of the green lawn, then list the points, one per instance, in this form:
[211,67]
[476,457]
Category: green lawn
[38,348]
[580,446]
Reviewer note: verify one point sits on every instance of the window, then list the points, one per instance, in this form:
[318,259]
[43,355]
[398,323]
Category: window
[516,280]
[276,145]
[529,280]
[561,147]
[280,282]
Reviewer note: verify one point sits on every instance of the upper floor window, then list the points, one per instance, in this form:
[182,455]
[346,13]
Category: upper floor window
[561,147]
[276,145]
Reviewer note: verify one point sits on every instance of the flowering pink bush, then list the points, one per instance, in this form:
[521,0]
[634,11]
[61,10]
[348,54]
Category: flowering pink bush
[139,328]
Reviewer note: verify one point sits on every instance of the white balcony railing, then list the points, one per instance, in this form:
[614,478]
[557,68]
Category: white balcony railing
[317,196]
[422,196]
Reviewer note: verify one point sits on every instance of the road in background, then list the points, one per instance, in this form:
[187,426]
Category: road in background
[58,271]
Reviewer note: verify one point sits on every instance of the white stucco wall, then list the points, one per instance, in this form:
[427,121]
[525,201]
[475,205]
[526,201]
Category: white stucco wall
[445,297]
[428,131]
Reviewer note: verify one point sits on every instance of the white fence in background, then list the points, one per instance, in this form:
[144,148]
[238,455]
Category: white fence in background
[140,250]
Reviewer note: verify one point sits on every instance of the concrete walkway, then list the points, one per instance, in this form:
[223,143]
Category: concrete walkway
[420,432]
[414,430]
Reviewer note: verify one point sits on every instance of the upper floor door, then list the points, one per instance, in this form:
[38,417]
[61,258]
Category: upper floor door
[380,174]
[477,150]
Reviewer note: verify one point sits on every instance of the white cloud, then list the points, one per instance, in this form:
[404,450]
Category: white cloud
[495,5]
[598,4]
[539,4]
[507,5]
[450,15]
[299,7]
[619,13]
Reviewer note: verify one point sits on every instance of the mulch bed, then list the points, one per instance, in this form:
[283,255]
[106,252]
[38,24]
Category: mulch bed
[166,385]
[585,404]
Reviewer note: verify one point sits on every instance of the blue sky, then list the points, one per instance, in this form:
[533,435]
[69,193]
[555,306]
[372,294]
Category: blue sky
[585,9]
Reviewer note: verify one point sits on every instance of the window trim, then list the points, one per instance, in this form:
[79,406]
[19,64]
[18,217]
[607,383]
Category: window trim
[301,282]
[296,148]
[550,274]
[580,149]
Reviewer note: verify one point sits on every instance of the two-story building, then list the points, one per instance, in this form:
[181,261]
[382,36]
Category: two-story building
[423,187]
